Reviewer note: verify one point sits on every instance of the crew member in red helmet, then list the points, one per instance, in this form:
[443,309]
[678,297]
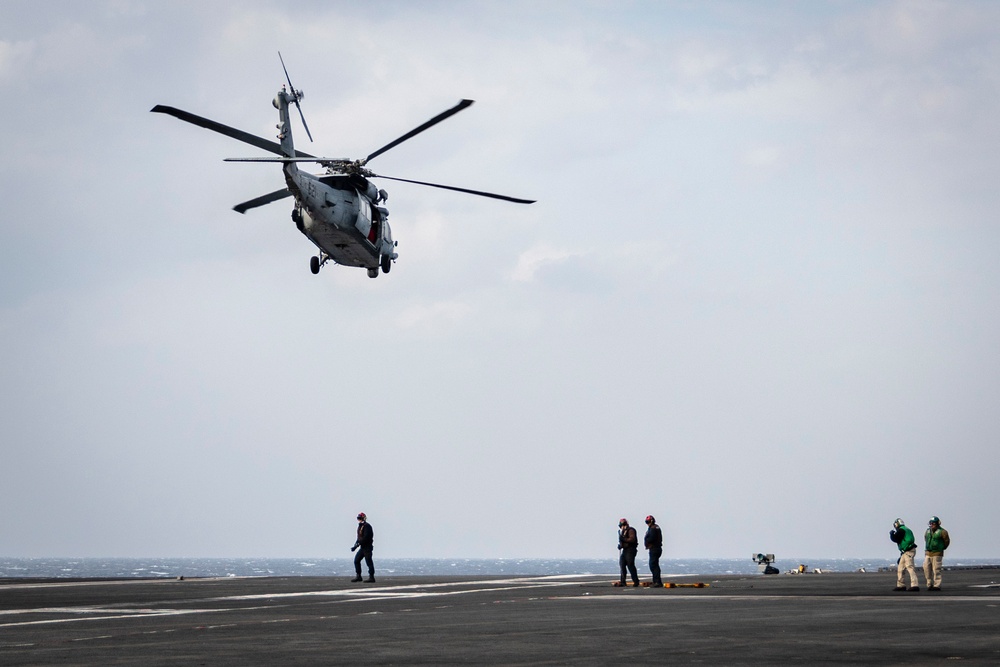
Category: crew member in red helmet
[654,544]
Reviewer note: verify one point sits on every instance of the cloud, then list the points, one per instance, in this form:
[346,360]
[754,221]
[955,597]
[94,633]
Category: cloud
[763,156]
[434,317]
[539,257]
[14,59]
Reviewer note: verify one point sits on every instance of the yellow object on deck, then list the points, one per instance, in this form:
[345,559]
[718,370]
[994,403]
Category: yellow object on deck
[648,584]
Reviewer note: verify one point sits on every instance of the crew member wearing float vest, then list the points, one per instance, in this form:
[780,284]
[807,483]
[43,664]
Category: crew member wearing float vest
[936,540]
[903,537]
[654,544]
[628,545]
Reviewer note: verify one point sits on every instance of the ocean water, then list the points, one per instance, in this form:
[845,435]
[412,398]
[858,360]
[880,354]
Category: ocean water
[329,567]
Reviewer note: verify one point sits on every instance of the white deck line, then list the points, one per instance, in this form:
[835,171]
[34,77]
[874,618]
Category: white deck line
[408,591]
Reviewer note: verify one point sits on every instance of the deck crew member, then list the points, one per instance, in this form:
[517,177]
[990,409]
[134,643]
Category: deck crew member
[364,545]
[628,545]
[654,544]
[903,537]
[936,540]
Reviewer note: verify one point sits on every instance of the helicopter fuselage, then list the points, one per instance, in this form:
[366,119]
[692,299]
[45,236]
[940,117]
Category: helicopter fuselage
[340,214]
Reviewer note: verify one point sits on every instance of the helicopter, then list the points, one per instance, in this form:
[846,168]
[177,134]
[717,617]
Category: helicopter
[341,211]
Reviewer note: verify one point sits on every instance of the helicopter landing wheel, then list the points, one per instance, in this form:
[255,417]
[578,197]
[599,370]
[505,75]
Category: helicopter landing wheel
[386,263]
[373,273]
[314,264]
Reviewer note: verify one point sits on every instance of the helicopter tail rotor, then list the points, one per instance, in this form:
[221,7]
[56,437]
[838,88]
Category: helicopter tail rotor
[296,96]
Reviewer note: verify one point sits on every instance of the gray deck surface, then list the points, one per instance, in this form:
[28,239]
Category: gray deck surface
[847,618]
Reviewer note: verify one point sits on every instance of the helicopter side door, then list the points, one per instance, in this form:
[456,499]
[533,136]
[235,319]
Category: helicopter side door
[365,224]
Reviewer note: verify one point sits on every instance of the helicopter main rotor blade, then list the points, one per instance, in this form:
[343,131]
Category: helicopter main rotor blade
[457,189]
[263,199]
[286,160]
[239,135]
[414,132]
[296,94]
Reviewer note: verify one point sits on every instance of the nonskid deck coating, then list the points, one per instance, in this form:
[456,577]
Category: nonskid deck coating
[850,618]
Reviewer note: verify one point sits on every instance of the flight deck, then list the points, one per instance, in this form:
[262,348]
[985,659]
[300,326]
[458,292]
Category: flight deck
[846,618]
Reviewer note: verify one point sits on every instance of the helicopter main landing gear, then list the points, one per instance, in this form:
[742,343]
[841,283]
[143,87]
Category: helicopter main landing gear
[316,263]
[386,263]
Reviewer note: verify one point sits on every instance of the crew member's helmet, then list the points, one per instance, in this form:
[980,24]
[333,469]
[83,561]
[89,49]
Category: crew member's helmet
[622,522]
[897,523]
[362,516]
[650,519]
[934,520]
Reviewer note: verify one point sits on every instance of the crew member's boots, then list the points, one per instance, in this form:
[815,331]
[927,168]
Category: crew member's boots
[357,578]
[370,579]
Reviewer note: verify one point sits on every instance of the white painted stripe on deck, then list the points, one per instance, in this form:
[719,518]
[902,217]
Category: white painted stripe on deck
[117,616]
[420,590]
[117,582]
[350,594]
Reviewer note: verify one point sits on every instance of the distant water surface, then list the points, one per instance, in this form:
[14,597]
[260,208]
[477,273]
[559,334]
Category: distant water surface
[331,567]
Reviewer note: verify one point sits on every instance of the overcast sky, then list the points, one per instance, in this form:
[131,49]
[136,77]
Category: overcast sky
[757,297]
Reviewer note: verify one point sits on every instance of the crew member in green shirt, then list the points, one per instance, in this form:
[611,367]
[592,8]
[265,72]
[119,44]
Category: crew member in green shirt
[903,537]
[936,540]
